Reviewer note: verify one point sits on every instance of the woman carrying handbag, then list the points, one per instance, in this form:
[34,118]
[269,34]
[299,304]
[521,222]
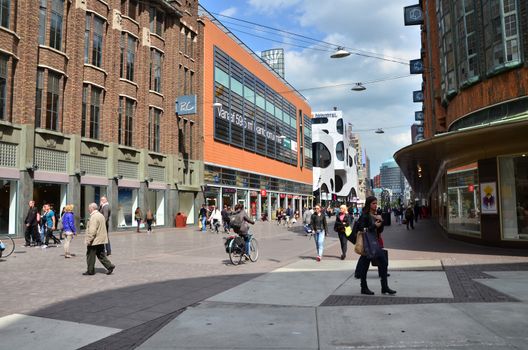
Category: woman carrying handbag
[341,223]
[371,225]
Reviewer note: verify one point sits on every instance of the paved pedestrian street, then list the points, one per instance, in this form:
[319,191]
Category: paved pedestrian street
[176,289]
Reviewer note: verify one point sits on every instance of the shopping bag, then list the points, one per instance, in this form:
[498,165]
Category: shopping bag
[375,262]
[358,247]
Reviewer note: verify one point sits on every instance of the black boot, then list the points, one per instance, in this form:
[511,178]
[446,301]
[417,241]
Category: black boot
[364,287]
[385,287]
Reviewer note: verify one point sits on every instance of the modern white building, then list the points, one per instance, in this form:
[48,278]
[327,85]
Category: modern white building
[334,157]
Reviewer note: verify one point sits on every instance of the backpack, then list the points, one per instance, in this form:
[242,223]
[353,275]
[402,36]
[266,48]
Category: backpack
[236,222]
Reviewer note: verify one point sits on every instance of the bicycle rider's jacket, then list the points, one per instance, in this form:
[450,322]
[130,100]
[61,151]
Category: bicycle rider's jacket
[244,218]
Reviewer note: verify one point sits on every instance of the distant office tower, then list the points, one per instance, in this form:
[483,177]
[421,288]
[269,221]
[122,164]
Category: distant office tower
[275,59]
[392,178]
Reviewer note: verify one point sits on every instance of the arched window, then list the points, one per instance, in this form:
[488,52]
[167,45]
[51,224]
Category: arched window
[321,155]
[339,126]
[338,183]
[340,151]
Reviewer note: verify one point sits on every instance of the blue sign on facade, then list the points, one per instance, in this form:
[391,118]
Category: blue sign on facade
[418,96]
[419,116]
[413,15]
[186,105]
[416,66]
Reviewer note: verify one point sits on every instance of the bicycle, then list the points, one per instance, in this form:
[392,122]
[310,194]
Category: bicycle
[236,248]
[7,245]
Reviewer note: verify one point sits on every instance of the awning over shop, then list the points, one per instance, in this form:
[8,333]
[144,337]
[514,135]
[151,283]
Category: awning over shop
[423,163]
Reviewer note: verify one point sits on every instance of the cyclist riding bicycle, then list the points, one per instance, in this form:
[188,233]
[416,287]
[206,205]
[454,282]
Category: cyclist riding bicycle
[239,223]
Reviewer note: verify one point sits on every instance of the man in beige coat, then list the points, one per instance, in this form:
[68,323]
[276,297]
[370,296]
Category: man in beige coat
[96,238]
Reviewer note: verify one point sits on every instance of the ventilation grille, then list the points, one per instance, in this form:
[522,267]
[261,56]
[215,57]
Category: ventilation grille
[50,160]
[157,173]
[93,165]
[128,170]
[8,155]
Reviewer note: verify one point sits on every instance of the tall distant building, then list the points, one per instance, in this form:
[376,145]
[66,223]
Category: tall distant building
[377,181]
[362,166]
[334,158]
[275,59]
[391,177]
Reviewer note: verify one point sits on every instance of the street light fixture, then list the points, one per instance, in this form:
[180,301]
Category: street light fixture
[379,131]
[340,53]
[358,87]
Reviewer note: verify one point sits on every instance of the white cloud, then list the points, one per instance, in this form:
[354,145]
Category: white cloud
[230,12]
[375,26]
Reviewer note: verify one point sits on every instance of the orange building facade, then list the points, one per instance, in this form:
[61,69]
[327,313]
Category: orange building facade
[257,130]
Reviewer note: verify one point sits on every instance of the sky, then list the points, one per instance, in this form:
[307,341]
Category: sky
[374,26]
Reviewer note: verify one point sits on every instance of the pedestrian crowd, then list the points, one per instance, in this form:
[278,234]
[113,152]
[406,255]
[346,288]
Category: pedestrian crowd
[42,225]
[361,226]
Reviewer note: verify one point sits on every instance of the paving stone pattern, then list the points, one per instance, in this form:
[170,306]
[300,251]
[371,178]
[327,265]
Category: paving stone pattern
[461,280]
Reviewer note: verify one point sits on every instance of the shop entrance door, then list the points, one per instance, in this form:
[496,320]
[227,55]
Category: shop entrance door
[49,193]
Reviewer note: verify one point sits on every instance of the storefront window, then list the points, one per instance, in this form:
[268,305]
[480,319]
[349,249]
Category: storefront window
[8,206]
[49,193]
[228,197]
[127,199]
[264,205]
[514,196]
[89,194]
[156,203]
[212,196]
[253,204]
[464,200]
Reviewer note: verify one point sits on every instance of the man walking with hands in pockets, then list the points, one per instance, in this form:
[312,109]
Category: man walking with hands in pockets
[96,238]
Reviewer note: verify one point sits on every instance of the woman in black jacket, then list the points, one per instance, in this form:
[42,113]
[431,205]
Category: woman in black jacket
[341,222]
[320,229]
[372,224]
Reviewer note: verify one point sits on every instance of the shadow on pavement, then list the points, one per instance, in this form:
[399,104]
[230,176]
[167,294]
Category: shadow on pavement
[142,310]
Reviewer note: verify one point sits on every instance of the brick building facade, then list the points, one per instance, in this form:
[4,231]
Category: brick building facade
[88,92]
[472,167]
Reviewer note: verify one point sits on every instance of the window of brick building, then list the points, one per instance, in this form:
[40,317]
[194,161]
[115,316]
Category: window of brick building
[91,97]
[154,129]
[93,39]
[447,46]
[126,121]
[187,41]
[4,60]
[129,8]
[191,82]
[157,18]
[185,81]
[52,90]
[4,13]
[501,34]
[468,60]
[155,70]
[128,56]
[55,10]
[53,101]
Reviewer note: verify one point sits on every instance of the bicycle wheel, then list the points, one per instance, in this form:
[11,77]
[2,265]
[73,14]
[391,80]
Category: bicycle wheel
[9,245]
[235,253]
[253,250]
